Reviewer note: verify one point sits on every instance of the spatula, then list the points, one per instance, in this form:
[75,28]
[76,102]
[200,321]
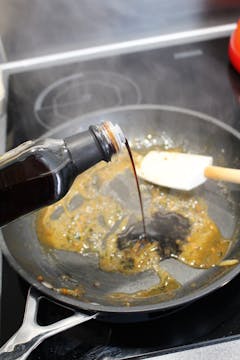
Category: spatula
[182,171]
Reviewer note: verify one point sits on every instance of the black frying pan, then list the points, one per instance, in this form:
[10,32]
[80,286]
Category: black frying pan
[199,134]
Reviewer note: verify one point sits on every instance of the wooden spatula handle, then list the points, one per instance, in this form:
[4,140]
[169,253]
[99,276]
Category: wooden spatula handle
[223,174]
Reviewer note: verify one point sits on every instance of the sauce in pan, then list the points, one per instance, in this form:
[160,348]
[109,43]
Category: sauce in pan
[99,215]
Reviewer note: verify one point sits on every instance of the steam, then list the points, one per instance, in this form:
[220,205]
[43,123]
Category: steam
[33,28]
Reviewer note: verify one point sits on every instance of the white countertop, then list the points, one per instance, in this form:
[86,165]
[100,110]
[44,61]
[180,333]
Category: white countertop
[228,350]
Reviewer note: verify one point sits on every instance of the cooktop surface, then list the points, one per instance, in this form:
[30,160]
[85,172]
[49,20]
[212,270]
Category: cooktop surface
[195,76]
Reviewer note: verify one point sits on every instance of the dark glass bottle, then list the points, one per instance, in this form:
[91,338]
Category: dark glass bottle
[39,173]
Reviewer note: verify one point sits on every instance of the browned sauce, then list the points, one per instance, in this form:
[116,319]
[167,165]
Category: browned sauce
[92,218]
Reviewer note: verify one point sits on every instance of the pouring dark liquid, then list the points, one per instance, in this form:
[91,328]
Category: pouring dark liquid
[138,189]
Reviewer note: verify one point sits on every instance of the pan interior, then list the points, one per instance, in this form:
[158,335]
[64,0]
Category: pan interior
[64,269]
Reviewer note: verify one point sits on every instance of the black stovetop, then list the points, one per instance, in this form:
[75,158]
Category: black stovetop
[194,76]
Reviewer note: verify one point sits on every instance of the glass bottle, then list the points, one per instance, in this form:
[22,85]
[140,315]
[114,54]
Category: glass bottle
[39,173]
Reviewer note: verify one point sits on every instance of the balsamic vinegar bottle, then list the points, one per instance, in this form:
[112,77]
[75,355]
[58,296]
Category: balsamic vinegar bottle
[39,173]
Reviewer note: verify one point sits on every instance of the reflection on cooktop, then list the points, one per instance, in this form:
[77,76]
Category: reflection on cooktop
[81,93]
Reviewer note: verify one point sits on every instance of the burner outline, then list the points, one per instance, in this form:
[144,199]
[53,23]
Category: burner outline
[104,78]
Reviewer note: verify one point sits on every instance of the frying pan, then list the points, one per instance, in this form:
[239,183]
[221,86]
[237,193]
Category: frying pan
[194,131]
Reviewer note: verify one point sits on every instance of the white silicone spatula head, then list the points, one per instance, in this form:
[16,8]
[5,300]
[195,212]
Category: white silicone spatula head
[174,170]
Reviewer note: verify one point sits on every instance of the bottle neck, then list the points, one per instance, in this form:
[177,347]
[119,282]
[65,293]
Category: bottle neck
[105,146]
[98,143]
[83,150]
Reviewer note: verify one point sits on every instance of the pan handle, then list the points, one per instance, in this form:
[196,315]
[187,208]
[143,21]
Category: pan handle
[30,334]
